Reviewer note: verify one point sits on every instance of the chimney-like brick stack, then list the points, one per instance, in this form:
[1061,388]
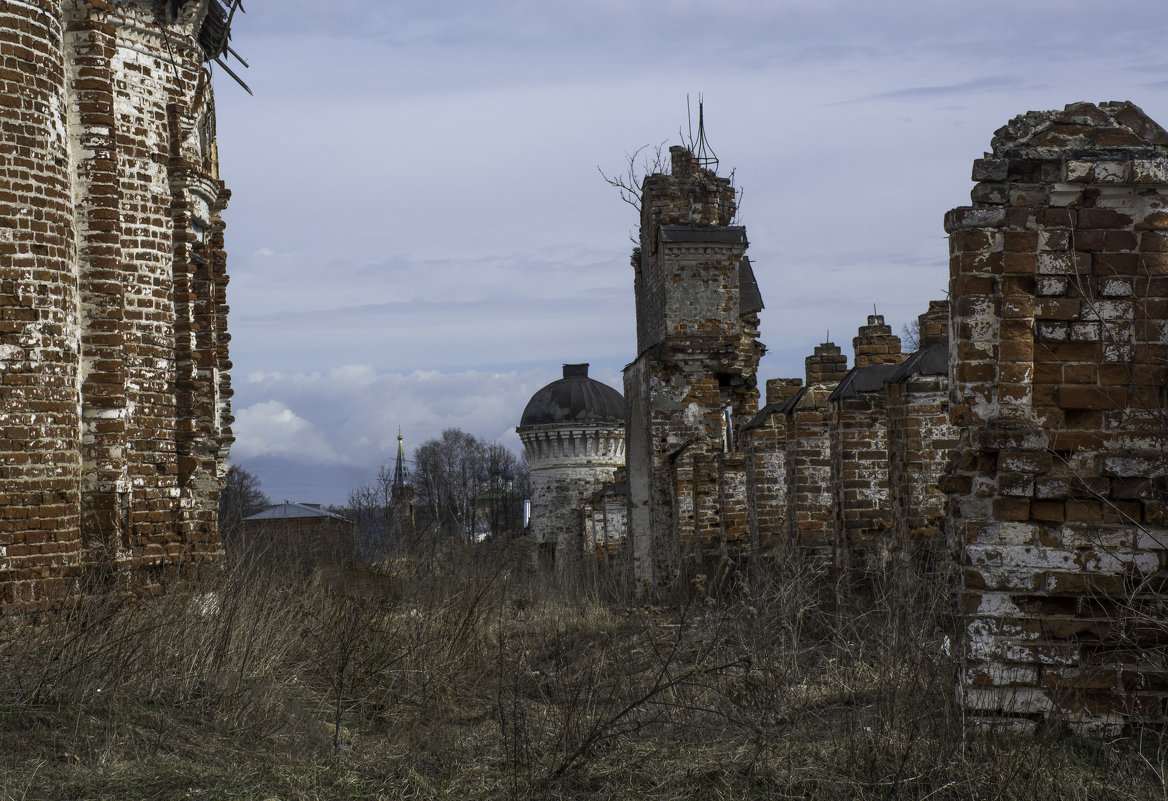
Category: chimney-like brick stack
[808,455]
[875,343]
[933,325]
[826,365]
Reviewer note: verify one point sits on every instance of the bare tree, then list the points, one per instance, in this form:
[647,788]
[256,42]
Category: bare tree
[504,486]
[240,497]
[628,181]
[365,507]
[468,488]
[446,479]
[910,335]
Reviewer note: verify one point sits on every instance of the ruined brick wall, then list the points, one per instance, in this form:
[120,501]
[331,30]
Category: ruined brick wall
[858,433]
[766,469]
[810,494]
[698,353]
[921,434]
[711,505]
[1059,275]
[112,297]
[1036,437]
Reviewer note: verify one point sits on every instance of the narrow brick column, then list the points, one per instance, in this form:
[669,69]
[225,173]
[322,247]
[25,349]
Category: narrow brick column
[768,476]
[921,436]
[91,44]
[858,433]
[809,495]
[40,448]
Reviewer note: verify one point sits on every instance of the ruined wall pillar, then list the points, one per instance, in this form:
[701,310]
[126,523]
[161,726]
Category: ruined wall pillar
[92,48]
[808,443]
[1056,509]
[921,435]
[40,433]
[858,431]
[767,471]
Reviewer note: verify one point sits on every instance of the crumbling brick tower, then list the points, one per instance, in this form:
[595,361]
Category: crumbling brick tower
[113,343]
[1059,279]
[692,384]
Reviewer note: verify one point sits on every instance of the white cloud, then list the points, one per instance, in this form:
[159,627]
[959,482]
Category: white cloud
[270,428]
[350,416]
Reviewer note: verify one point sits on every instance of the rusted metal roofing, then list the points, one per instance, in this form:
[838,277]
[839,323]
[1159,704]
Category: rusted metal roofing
[749,298]
[933,360]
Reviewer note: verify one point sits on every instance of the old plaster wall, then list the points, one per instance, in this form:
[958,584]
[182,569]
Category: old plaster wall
[114,344]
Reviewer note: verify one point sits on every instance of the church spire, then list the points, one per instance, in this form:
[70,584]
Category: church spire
[401,474]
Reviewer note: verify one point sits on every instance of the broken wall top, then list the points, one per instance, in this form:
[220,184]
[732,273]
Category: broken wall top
[688,195]
[1080,129]
[1044,158]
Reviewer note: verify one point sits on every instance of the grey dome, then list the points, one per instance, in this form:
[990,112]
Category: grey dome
[575,398]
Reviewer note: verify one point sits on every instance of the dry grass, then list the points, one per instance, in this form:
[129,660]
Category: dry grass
[470,678]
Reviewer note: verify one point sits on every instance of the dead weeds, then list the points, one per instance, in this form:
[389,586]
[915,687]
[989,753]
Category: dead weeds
[488,682]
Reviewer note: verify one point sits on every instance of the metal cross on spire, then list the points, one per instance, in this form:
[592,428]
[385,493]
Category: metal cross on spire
[401,473]
[701,149]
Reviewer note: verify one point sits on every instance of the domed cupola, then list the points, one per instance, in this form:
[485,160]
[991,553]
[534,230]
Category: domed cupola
[574,399]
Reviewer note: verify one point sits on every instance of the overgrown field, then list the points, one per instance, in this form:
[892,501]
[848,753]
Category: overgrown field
[471,678]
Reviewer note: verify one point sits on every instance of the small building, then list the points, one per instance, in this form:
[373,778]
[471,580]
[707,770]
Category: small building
[300,532]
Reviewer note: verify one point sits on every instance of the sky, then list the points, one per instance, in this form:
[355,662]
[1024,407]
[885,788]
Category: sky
[419,235]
